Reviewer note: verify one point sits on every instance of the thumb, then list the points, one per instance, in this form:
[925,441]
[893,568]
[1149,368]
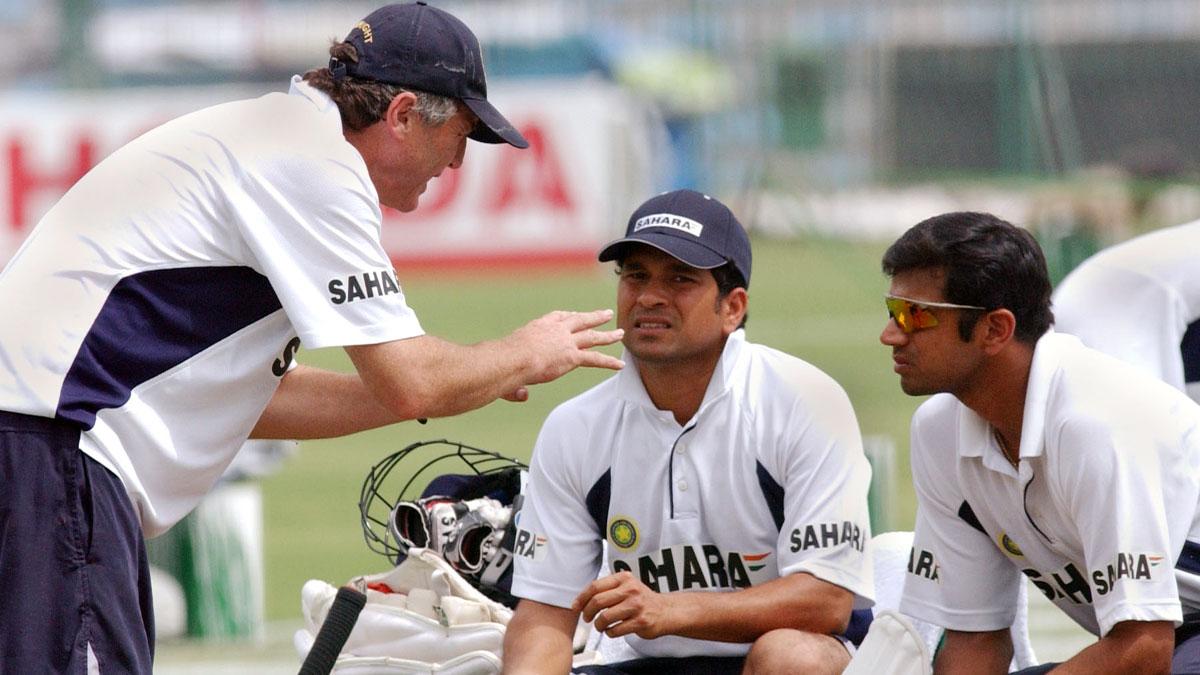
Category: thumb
[518,395]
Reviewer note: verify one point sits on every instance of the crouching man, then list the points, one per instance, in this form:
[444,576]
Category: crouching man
[1037,456]
[727,478]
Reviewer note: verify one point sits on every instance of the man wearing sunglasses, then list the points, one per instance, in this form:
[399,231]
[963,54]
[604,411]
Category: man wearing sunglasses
[727,479]
[1037,456]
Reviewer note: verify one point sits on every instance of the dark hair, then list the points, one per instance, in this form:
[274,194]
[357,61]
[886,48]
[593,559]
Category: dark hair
[988,262]
[728,278]
[363,102]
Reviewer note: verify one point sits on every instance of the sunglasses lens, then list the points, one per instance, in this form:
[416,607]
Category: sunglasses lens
[910,316]
[898,311]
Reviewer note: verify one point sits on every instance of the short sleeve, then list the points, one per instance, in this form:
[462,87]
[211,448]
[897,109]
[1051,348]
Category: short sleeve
[1112,480]
[957,578]
[826,528]
[312,220]
[559,546]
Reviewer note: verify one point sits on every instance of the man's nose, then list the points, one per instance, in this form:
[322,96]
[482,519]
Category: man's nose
[652,294]
[892,335]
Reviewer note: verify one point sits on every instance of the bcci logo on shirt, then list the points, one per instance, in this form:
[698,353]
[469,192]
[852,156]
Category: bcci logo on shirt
[623,532]
[1009,546]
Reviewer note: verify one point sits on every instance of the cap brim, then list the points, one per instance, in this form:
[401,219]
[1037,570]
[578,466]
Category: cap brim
[493,127]
[687,250]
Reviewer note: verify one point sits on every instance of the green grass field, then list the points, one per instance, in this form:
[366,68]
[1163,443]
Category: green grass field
[818,299]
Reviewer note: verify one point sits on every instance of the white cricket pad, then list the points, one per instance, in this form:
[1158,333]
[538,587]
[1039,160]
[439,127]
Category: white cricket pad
[420,617]
[892,647]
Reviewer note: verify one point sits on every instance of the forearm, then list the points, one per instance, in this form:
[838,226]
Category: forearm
[1130,647]
[539,650]
[969,653]
[798,601]
[315,403]
[430,377]
[538,640]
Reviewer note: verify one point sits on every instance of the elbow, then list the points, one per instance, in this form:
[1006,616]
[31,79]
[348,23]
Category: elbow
[407,402]
[828,615]
[1156,663]
[834,623]
[1140,646]
[835,617]
[1157,660]
[408,406]
[400,379]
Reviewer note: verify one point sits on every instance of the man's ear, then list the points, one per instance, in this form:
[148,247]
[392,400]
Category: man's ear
[401,113]
[998,328]
[733,308]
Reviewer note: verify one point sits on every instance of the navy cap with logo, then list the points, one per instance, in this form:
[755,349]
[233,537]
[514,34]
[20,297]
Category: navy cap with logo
[689,226]
[427,49]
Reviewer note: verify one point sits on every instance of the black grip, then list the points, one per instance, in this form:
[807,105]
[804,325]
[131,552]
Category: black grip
[343,613]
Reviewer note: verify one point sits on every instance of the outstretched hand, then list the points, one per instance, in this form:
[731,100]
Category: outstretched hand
[620,604]
[560,342]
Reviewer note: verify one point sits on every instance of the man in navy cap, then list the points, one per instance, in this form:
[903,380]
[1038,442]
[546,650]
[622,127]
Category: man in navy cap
[727,480]
[163,299]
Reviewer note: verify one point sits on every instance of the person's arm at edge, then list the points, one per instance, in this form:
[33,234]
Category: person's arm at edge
[316,403]
[800,601]
[539,639]
[430,377]
[1143,647]
[974,653]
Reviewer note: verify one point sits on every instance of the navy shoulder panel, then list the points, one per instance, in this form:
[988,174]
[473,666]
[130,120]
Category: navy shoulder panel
[968,514]
[597,501]
[772,492]
[1189,348]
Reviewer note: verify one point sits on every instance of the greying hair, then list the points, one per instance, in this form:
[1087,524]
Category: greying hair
[363,102]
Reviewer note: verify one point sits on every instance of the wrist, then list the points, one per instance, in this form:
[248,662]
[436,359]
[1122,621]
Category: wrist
[680,612]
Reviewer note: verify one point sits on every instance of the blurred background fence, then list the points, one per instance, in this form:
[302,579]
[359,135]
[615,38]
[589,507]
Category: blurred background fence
[836,115]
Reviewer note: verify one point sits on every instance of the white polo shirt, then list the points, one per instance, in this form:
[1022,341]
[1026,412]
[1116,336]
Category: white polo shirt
[1102,516]
[163,297]
[1140,302]
[768,479]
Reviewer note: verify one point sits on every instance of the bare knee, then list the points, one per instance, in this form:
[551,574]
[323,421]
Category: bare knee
[792,651]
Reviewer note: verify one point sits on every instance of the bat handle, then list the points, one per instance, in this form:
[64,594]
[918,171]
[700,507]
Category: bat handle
[334,632]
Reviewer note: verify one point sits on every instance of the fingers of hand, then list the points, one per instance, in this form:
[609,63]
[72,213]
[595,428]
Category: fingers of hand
[577,321]
[598,360]
[615,621]
[602,602]
[611,591]
[585,596]
[628,626]
[595,338]
[585,340]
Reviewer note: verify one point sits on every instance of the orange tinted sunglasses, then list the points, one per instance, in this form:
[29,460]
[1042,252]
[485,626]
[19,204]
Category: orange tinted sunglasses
[914,315]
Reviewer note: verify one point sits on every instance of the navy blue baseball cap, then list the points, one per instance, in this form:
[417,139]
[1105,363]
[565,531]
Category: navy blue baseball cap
[689,226]
[425,48]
